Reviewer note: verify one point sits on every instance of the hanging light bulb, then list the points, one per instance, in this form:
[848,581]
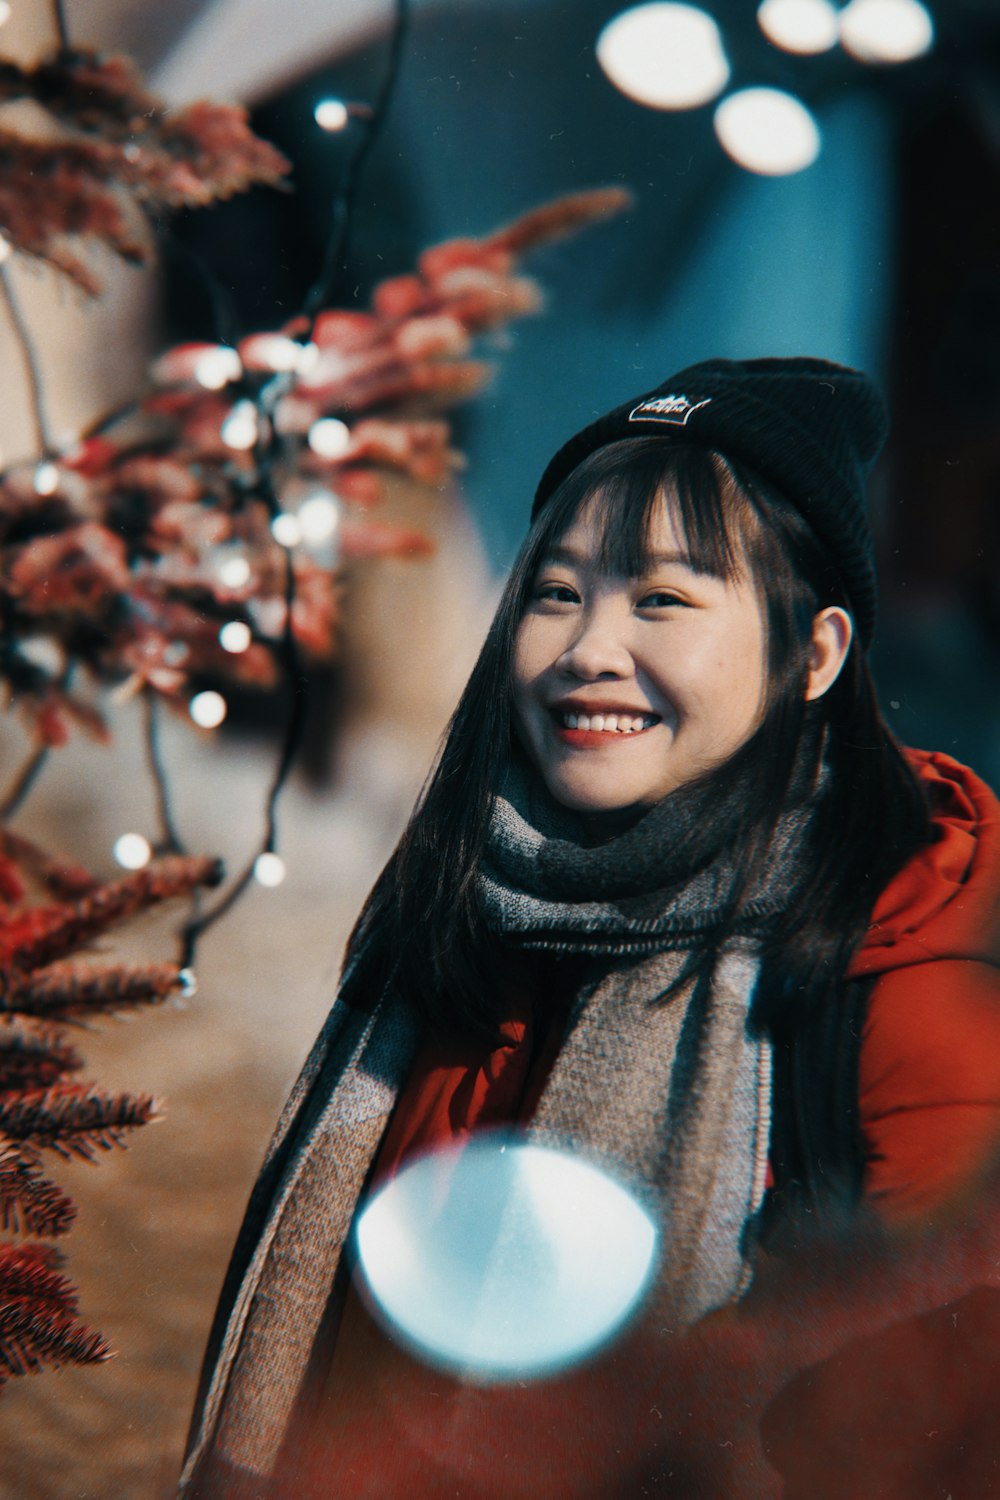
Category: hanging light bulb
[46,479]
[132,851]
[801,26]
[269,869]
[331,114]
[319,518]
[207,709]
[767,131]
[886,31]
[235,637]
[286,530]
[239,430]
[217,367]
[665,55]
[330,437]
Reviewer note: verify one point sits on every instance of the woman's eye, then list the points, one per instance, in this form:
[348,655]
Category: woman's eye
[556,593]
[659,599]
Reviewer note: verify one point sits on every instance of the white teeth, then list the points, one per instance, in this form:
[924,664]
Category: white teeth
[609,723]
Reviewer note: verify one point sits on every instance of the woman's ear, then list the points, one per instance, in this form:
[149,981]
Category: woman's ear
[831,640]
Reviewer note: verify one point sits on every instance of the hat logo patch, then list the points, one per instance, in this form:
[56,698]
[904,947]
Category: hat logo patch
[673,409]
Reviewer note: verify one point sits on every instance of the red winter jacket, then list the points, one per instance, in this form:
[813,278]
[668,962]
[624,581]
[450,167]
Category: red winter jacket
[686,1422]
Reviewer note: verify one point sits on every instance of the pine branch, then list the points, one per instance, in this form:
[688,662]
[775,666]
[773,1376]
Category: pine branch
[38,1314]
[29,1202]
[74,990]
[32,1271]
[60,876]
[74,1121]
[59,931]
[33,1056]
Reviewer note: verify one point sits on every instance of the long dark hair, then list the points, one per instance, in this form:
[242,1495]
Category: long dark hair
[422,928]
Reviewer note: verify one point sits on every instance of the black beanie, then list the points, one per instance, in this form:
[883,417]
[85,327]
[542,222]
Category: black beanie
[810,428]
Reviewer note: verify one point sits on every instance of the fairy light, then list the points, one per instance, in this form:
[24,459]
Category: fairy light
[132,851]
[235,637]
[329,437]
[767,131]
[886,31]
[278,351]
[269,869]
[801,26]
[217,367]
[207,709]
[46,479]
[234,572]
[308,358]
[286,530]
[319,518]
[331,114]
[664,55]
[239,430]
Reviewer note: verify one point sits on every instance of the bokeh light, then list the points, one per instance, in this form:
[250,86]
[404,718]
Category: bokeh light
[502,1259]
[800,26]
[330,437]
[217,367]
[269,869]
[886,31]
[239,430]
[235,637]
[331,114]
[207,709]
[132,851]
[664,55]
[767,131]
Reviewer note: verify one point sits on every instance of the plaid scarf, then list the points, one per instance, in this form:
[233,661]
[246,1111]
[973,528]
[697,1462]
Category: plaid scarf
[659,1080]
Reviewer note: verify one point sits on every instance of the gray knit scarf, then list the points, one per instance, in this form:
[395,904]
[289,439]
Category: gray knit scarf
[659,1080]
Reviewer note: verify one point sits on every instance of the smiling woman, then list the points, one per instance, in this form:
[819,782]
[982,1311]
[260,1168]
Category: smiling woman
[674,903]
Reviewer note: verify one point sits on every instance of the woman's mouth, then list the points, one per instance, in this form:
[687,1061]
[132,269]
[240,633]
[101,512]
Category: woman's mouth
[600,728]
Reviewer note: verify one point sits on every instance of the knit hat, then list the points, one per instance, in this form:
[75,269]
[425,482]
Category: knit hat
[810,428]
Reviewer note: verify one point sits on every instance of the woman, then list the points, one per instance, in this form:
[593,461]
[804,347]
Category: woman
[674,899]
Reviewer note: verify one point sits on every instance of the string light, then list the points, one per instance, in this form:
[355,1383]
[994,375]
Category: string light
[331,114]
[319,518]
[207,709]
[269,869]
[330,437]
[235,637]
[132,851]
[239,430]
[801,26]
[46,479]
[767,131]
[217,367]
[886,31]
[308,358]
[665,55]
[234,572]
[286,530]
[279,352]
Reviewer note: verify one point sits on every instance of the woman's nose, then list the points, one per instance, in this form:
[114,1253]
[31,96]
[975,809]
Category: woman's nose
[598,649]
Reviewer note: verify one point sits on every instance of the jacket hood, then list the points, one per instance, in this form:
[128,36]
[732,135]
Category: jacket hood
[945,902]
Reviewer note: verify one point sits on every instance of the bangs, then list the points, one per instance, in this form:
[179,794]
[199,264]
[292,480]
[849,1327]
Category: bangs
[626,482]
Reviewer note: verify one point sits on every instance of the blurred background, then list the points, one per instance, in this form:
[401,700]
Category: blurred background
[870,235]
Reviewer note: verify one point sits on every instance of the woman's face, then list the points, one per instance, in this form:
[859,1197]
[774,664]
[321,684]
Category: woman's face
[627,688]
